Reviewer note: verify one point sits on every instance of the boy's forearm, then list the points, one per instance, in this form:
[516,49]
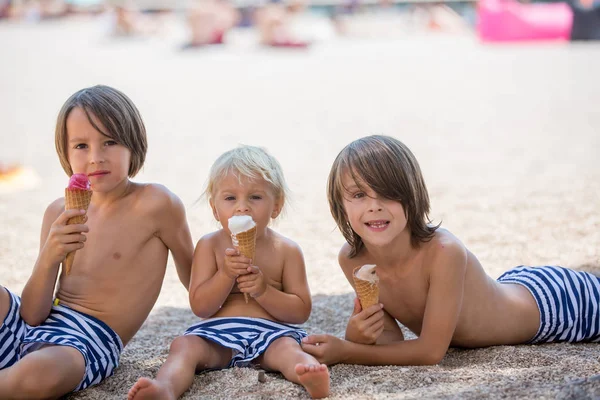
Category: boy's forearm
[38,294]
[285,307]
[184,273]
[408,352]
[207,298]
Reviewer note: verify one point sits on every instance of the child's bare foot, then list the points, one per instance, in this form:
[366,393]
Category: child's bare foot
[314,378]
[146,388]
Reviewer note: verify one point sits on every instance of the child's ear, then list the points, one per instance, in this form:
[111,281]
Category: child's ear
[277,209]
[214,209]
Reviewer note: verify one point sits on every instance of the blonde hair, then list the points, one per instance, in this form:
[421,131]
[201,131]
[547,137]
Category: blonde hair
[252,163]
[391,170]
[116,112]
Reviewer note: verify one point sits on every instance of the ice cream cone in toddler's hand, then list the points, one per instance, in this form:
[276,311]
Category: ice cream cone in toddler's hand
[366,284]
[77,196]
[243,237]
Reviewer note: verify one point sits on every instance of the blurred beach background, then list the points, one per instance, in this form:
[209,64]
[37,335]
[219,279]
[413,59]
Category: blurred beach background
[507,135]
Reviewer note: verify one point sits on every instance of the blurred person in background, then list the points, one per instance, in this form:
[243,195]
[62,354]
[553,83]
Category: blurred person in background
[275,24]
[209,21]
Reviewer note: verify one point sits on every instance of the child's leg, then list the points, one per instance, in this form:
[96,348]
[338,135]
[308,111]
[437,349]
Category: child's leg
[187,355]
[47,373]
[286,356]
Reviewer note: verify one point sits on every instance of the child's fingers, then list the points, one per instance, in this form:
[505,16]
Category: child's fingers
[68,214]
[374,327]
[314,339]
[253,269]
[377,316]
[232,252]
[247,278]
[240,259]
[67,229]
[239,266]
[374,309]
[73,238]
[67,248]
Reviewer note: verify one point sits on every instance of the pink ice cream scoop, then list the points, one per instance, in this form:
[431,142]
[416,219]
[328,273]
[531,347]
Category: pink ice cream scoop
[79,181]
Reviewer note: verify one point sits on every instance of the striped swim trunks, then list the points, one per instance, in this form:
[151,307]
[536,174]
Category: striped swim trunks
[96,341]
[568,300]
[12,332]
[247,337]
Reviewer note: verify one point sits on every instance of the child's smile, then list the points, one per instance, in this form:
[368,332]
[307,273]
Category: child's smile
[377,225]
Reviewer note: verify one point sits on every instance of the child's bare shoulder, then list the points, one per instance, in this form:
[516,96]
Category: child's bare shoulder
[213,238]
[443,248]
[54,209]
[214,242]
[157,196]
[284,244]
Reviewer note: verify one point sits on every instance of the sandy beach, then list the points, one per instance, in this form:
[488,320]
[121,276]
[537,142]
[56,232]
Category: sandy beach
[507,136]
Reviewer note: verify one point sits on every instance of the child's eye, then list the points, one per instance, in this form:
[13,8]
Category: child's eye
[358,195]
[255,197]
[80,146]
[110,143]
[229,198]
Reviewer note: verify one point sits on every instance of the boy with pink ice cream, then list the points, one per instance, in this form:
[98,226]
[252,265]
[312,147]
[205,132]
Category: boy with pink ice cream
[67,330]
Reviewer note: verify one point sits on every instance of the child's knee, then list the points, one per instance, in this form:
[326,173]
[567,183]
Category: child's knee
[49,372]
[35,385]
[285,344]
[189,345]
[181,345]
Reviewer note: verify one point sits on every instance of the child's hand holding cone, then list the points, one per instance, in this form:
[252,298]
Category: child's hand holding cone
[243,237]
[78,195]
[63,238]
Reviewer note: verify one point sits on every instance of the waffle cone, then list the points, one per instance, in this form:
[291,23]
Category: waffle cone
[78,199]
[245,242]
[368,293]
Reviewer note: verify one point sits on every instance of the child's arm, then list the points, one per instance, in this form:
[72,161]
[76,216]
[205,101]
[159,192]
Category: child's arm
[292,304]
[372,326]
[174,232]
[211,285]
[444,301]
[57,239]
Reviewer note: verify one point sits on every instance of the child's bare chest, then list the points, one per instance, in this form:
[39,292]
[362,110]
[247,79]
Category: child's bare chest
[113,240]
[405,299]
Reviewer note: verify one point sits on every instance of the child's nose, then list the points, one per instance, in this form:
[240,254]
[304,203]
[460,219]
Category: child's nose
[242,207]
[97,156]
[375,205]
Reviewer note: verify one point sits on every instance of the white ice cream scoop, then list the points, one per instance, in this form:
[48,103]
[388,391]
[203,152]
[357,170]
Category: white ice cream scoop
[367,273]
[240,223]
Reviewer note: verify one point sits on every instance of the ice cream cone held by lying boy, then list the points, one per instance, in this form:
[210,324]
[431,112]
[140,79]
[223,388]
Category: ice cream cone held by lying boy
[246,190]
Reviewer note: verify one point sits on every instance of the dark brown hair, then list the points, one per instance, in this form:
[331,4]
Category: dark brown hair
[116,112]
[390,169]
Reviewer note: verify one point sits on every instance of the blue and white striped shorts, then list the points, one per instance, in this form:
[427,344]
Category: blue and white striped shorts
[569,302]
[12,332]
[96,341]
[247,337]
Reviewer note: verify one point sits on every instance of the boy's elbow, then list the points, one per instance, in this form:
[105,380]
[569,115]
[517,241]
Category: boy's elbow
[432,357]
[201,311]
[30,318]
[301,318]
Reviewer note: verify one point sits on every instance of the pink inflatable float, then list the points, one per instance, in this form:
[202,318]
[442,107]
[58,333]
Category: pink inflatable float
[509,20]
